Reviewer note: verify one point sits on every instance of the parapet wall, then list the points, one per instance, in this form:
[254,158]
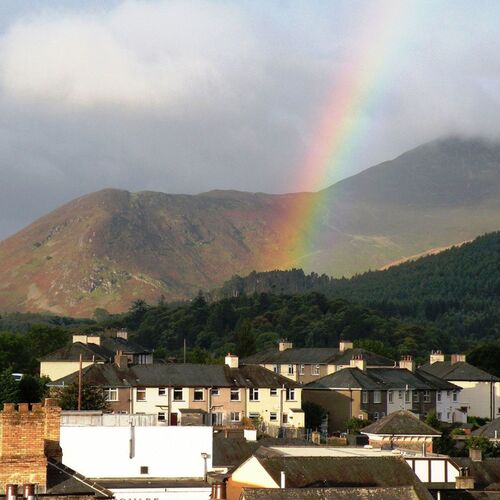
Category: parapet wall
[29,434]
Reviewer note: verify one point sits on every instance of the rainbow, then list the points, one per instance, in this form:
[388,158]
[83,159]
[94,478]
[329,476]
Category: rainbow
[355,92]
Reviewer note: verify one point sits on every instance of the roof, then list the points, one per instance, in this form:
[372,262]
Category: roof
[460,371]
[305,355]
[486,473]
[347,378]
[310,472]
[179,375]
[398,378]
[396,493]
[90,351]
[316,355]
[488,430]
[62,480]
[400,423]
[435,382]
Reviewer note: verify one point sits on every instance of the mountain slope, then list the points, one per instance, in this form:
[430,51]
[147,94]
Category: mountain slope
[111,247]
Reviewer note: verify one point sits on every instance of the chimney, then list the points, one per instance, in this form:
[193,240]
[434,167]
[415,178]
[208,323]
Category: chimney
[80,338]
[122,334]
[218,491]
[407,362]
[436,357]
[29,491]
[282,480]
[464,481]
[121,360]
[11,492]
[94,339]
[283,345]
[231,360]
[457,358]
[475,454]
[344,345]
[357,361]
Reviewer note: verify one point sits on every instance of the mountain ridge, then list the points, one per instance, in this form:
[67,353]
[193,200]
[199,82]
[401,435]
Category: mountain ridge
[110,247]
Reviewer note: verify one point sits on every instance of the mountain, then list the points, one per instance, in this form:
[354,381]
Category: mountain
[457,290]
[109,248]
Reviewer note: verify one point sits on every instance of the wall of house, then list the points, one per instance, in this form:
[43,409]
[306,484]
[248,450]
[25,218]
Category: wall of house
[121,451]
[58,369]
[278,404]
[123,403]
[476,397]
[170,493]
[249,474]
[341,405]
[447,409]
[414,443]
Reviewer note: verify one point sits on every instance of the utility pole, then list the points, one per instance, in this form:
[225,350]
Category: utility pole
[80,385]
[184,351]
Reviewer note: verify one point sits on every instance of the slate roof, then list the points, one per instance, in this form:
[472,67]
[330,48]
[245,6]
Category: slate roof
[313,472]
[400,423]
[488,430]
[395,493]
[436,382]
[178,374]
[460,371]
[315,355]
[62,480]
[398,378]
[347,378]
[486,473]
[90,351]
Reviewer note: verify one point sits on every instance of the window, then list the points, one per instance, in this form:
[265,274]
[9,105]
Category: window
[290,369]
[111,394]
[439,416]
[290,394]
[407,396]
[198,395]
[273,417]
[285,418]
[390,396]
[455,396]
[301,369]
[273,392]
[215,392]
[141,394]
[416,396]
[162,391]
[315,370]
[254,414]
[427,396]
[276,369]
[448,416]
[144,469]
[234,416]
[178,394]
[254,394]
[161,417]
[375,416]
[364,396]
[400,394]
[235,394]
[377,397]
[448,393]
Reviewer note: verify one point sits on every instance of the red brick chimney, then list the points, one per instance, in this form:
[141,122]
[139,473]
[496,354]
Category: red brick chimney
[457,358]
[121,360]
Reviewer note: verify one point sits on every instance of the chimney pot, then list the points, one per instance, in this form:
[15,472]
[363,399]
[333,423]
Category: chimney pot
[9,407]
[218,491]
[24,407]
[457,358]
[475,454]
[11,491]
[29,492]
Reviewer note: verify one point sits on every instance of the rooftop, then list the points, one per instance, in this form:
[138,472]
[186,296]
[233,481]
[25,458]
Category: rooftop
[491,430]
[459,371]
[400,423]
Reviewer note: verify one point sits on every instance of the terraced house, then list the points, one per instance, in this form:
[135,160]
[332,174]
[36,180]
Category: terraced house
[372,393]
[307,364]
[196,394]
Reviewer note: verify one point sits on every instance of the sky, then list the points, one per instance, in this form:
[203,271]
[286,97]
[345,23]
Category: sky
[186,96]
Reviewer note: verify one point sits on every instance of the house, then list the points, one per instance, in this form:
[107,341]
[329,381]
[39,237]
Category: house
[30,455]
[196,393]
[307,364]
[371,393]
[92,349]
[313,472]
[401,429]
[480,394]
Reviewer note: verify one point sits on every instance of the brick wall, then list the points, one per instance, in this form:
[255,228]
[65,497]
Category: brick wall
[27,437]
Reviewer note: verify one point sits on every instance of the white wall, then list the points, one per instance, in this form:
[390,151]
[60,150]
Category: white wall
[162,493]
[167,451]
[476,397]
[447,409]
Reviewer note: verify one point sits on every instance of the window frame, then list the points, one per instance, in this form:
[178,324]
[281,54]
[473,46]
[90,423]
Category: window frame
[142,391]
[254,394]
[162,417]
[162,391]
[215,391]
[107,394]
[315,370]
[290,394]
[273,391]
[235,390]
[234,414]
[197,390]
[273,416]
[302,369]
[377,395]
[291,369]
[365,399]
[175,392]
[390,397]
[427,396]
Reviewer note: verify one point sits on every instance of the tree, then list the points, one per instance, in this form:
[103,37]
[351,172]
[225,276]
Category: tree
[9,389]
[432,420]
[44,339]
[245,338]
[314,414]
[32,389]
[92,397]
